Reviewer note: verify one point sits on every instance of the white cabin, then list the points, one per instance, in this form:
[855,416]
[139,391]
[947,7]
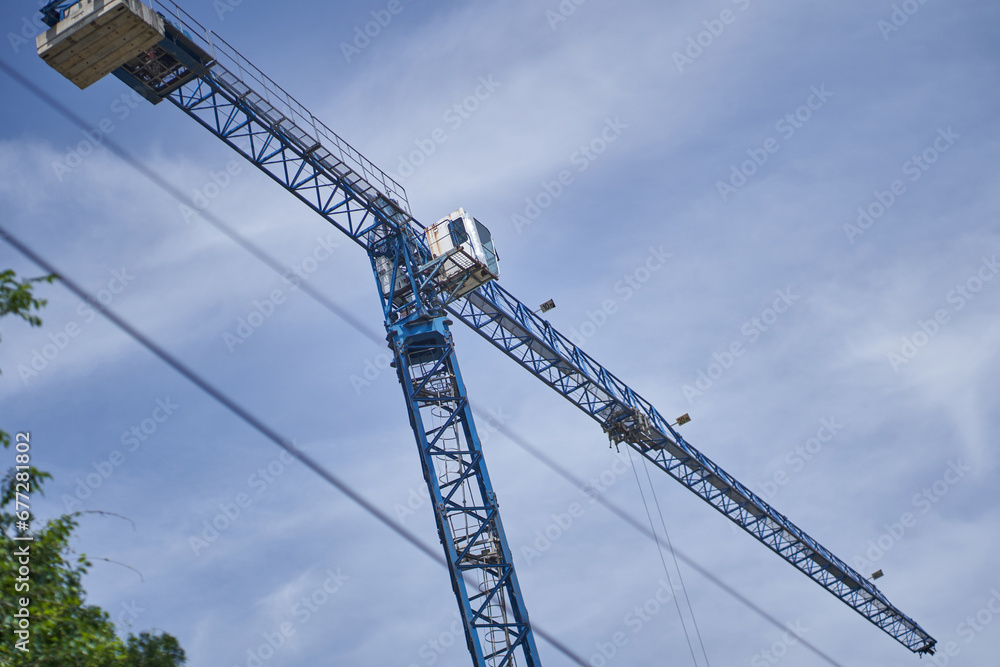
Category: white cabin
[471,260]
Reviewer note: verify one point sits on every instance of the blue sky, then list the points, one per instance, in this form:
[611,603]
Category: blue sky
[833,161]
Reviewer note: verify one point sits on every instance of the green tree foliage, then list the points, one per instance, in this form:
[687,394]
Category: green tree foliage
[148,650]
[64,630]
[17,299]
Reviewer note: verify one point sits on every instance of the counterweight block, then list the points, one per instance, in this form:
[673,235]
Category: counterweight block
[96,37]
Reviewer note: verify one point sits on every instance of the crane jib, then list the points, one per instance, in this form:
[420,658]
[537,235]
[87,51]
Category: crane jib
[553,358]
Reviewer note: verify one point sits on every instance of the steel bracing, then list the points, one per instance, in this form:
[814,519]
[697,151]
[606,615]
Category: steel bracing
[465,506]
[210,81]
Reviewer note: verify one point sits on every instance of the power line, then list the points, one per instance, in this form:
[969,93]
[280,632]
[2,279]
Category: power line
[176,193]
[256,423]
[358,326]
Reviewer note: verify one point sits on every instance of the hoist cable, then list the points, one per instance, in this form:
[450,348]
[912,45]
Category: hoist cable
[673,554]
[659,550]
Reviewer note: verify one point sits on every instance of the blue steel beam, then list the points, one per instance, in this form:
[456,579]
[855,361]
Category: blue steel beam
[466,510]
[465,507]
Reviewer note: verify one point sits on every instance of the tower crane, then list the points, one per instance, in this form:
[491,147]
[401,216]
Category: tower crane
[426,278]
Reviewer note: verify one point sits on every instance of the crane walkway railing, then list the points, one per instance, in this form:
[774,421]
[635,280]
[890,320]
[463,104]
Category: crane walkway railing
[235,71]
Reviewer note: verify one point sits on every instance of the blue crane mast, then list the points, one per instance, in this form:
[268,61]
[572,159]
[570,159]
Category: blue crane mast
[425,276]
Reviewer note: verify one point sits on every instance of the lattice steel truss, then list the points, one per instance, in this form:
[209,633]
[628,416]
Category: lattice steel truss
[465,505]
